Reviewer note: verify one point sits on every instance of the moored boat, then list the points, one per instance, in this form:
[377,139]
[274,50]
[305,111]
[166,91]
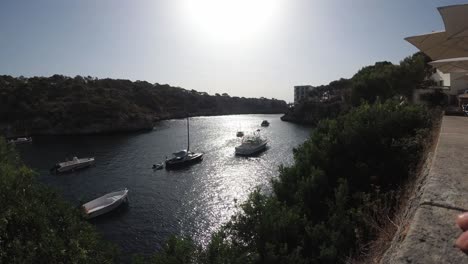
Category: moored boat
[20,140]
[184,157]
[240,134]
[105,203]
[251,145]
[73,164]
[265,123]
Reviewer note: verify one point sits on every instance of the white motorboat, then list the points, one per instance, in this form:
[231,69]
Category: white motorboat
[73,164]
[105,203]
[251,145]
[20,140]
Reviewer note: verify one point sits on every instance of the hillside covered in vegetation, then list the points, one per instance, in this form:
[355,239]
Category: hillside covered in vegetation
[383,80]
[82,105]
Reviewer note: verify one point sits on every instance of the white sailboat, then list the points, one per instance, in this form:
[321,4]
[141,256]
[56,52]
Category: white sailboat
[184,157]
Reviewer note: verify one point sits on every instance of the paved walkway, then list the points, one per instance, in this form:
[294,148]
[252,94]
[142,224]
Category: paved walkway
[432,233]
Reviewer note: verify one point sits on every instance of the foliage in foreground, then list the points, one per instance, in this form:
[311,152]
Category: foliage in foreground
[36,226]
[322,208]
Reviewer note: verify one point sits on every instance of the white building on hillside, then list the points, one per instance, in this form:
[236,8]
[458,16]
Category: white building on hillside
[452,84]
[301,92]
[448,51]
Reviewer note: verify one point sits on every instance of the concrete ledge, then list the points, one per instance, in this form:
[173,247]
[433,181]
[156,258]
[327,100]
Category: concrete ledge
[432,232]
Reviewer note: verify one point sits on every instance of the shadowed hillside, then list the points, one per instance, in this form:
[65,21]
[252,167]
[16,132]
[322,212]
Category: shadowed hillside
[85,105]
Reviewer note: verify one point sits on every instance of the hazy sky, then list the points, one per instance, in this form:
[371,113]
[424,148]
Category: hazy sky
[246,48]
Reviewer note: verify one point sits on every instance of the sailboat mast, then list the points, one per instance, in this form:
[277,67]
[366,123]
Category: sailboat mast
[188,135]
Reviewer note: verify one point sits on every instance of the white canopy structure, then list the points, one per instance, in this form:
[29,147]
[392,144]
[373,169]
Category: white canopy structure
[449,48]
[451,65]
[438,46]
[455,20]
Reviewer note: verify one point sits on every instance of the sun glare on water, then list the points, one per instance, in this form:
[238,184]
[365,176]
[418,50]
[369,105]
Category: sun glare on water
[230,20]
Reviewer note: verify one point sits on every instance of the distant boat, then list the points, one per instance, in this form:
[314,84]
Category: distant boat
[240,134]
[73,164]
[251,145]
[20,140]
[265,123]
[184,157]
[105,203]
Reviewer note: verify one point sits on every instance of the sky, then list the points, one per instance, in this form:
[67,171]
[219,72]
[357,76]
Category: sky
[249,48]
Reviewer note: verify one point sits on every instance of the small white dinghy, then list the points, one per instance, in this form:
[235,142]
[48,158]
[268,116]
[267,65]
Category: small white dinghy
[105,204]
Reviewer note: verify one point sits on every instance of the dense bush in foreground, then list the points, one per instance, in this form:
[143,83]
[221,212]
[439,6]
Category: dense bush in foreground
[321,208]
[36,226]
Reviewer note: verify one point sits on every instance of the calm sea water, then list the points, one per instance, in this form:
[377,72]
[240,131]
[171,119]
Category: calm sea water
[193,201]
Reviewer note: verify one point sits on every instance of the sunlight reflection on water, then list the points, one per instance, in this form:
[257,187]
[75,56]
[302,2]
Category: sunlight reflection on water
[194,201]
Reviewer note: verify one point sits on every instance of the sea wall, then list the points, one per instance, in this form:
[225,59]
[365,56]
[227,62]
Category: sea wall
[439,196]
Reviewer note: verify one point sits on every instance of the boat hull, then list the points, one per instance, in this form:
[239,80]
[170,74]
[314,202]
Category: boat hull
[20,141]
[77,166]
[107,209]
[177,164]
[250,151]
[96,208]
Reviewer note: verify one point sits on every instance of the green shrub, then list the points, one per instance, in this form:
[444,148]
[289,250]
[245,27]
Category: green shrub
[36,226]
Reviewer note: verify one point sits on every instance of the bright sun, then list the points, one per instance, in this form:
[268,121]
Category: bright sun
[229,20]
